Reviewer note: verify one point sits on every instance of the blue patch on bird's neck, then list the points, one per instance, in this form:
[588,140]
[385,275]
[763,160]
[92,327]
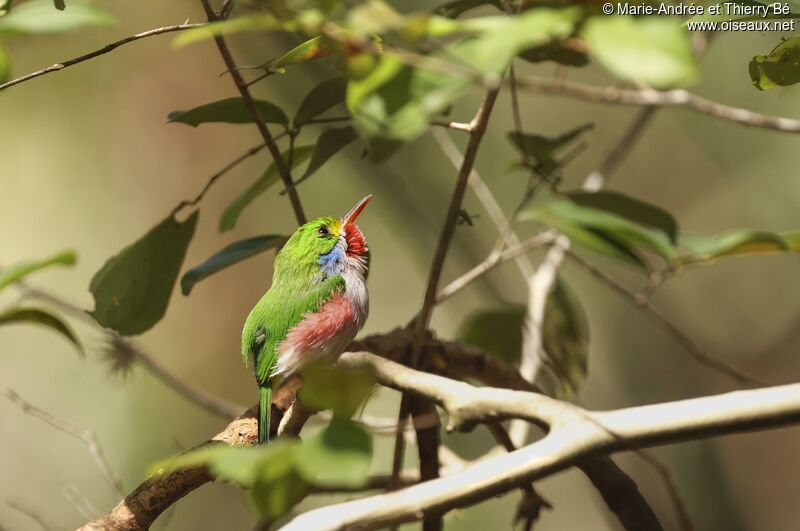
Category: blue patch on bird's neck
[331,263]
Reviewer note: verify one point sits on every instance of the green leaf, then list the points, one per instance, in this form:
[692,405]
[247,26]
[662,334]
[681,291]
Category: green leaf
[5,7]
[241,465]
[59,4]
[543,149]
[231,214]
[341,454]
[498,332]
[779,68]
[229,255]
[394,101]
[5,65]
[311,49]
[278,486]
[600,230]
[630,208]
[565,333]
[456,8]
[230,27]
[43,318]
[17,272]
[327,387]
[656,51]
[38,17]
[565,337]
[329,143]
[232,111]
[320,99]
[132,290]
[557,52]
[706,247]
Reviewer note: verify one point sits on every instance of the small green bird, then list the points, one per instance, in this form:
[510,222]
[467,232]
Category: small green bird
[316,305]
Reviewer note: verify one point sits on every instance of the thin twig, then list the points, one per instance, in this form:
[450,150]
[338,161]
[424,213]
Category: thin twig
[214,178]
[600,177]
[692,347]
[32,513]
[86,436]
[104,50]
[199,396]
[490,262]
[283,169]
[656,98]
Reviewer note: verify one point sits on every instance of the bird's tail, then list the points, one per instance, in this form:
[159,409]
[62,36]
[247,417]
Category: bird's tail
[264,407]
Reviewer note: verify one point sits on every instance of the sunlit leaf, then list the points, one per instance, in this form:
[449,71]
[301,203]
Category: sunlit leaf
[543,149]
[329,143]
[228,256]
[232,111]
[132,290]
[341,454]
[327,387]
[17,272]
[656,51]
[707,247]
[42,318]
[38,17]
[230,27]
[395,101]
[780,68]
[601,230]
[630,208]
[320,99]
[311,49]
[231,214]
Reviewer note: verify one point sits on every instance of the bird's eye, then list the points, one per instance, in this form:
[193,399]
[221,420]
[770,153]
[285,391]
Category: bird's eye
[323,230]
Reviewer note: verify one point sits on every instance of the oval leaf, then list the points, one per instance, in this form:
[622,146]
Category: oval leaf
[311,49]
[132,290]
[40,317]
[565,334]
[38,17]
[231,111]
[498,332]
[703,248]
[231,254]
[320,99]
[330,142]
[327,387]
[231,214]
[17,272]
[656,51]
[630,208]
[779,68]
[543,149]
[341,454]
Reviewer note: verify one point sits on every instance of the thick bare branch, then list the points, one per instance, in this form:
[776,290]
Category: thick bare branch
[88,437]
[574,433]
[104,50]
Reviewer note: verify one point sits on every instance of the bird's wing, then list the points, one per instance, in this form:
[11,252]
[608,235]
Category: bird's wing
[275,314]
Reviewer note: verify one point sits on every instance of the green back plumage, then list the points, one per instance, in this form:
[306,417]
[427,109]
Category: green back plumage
[298,287]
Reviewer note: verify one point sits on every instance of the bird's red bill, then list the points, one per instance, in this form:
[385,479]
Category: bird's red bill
[351,216]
